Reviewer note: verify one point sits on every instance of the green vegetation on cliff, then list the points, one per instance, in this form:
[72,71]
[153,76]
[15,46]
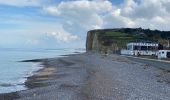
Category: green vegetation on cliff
[115,39]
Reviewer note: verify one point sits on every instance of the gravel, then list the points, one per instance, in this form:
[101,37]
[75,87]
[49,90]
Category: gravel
[96,77]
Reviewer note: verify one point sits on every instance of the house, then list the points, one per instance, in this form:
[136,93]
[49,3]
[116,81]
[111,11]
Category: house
[141,47]
[163,54]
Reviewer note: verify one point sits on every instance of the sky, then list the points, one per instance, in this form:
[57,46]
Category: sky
[64,23]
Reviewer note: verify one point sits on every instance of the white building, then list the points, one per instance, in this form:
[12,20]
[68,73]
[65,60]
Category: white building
[163,54]
[141,48]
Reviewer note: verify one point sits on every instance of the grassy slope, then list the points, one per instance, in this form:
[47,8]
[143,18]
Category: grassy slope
[117,37]
[121,36]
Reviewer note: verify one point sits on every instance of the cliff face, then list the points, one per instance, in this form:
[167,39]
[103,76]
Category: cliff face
[96,42]
[92,42]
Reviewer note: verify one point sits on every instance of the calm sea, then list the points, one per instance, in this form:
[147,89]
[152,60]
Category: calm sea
[13,73]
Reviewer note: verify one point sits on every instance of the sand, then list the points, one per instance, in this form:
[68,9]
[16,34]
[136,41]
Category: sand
[95,77]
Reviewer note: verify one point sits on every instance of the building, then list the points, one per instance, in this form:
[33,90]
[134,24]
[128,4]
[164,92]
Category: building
[163,54]
[142,47]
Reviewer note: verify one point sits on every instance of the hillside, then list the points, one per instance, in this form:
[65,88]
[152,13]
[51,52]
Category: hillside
[115,39]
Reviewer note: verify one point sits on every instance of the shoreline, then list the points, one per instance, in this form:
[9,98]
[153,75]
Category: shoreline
[93,77]
[15,95]
[35,80]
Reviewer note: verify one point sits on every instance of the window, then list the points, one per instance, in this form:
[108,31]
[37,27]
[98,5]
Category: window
[129,47]
[151,47]
[162,52]
[143,47]
[136,47]
[168,54]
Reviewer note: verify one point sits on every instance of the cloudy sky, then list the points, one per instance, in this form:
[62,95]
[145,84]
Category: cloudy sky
[64,23]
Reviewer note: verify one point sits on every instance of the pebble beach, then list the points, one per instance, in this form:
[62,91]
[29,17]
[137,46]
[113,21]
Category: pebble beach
[94,77]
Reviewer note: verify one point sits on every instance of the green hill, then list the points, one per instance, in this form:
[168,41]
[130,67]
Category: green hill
[116,39]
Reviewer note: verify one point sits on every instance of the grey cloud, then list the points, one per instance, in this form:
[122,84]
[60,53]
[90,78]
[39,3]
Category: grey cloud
[87,15]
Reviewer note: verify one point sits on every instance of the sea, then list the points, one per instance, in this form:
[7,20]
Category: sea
[13,73]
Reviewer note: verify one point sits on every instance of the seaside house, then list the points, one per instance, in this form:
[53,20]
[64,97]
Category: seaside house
[141,47]
[163,54]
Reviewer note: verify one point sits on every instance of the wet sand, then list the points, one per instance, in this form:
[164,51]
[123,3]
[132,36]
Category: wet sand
[94,77]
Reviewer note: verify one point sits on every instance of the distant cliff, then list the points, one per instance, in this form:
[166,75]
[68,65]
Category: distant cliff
[92,42]
[97,41]
[112,40]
